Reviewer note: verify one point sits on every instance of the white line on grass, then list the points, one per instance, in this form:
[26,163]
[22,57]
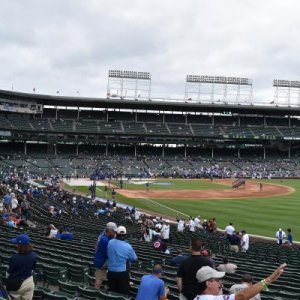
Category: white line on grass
[165,206]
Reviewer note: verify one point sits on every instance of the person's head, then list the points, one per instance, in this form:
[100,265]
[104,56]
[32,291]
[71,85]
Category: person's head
[121,232]
[111,229]
[243,232]
[157,270]
[210,280]
[196,245]
[23,243]
[247,278]
[179,252]
[289,230]
[225,260]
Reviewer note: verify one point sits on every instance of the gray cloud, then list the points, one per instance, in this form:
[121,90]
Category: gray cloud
[70,45]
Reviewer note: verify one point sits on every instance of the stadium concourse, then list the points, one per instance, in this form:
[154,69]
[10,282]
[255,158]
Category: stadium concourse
[65,269]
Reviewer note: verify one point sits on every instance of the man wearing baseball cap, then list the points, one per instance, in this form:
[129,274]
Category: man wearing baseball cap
[152,287]
[19,282]
[100,259]
[120,253]
[210,287]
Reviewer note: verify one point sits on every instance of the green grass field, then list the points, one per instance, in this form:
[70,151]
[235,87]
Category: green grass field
[262,216]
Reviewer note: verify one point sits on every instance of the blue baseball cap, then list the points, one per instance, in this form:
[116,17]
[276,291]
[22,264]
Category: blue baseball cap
[22,239]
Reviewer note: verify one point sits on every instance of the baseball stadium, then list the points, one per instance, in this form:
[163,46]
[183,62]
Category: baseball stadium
[213,155]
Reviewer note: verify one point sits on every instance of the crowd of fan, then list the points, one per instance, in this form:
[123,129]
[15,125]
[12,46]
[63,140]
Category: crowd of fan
[197,275]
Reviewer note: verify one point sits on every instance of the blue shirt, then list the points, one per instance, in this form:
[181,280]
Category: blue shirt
[7,199]
[119,252]
[151,288]
[176,261]
[67,236]
[101,251]
[21,265]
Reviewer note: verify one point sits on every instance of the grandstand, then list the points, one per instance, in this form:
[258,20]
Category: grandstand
[69,136]
[196,134]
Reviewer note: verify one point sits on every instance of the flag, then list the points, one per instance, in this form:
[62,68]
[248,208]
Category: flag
[57,92]
[272,102]
[33,90]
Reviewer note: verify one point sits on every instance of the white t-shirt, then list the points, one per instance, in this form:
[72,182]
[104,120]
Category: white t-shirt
[245,242]
[14,203]
[238,287]
[165,232]
[192,226]
[219,297]
[180,225]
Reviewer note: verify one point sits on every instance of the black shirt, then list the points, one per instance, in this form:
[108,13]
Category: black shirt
[187,271]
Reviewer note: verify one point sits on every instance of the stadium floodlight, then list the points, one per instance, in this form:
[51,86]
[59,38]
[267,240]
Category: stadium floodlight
[129,84]
[208,88]
[287,92]
[129,74]
[218,79]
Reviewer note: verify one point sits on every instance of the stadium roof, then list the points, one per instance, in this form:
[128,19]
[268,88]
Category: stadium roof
[158,105]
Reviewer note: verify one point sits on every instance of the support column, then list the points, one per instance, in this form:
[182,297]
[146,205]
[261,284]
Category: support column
[77,149]
[185,148]
[264,152]
[289,151]
[239,152]
[163,151]
[212,152]
[135,151]
[106,149]
[55,149]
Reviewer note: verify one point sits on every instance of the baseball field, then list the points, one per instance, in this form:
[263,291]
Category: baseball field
[259,210]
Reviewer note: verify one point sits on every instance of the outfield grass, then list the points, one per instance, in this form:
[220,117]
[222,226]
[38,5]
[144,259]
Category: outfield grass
[262,216]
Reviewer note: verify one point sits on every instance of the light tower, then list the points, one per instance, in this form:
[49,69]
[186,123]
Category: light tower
[221,89]
[128,84]
[286,92]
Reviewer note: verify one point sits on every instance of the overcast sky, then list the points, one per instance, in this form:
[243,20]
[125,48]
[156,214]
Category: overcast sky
[69,45]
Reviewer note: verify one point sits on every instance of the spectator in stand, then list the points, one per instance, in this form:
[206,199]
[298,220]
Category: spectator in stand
[7,202]
[234,241]
[64,234]
[25,209]
[176,260]
[19,282]
[212,225]
[191,225]
[100,259]
[290,237]
[197,222]
[186,274]
[14,202]
[165,231]
[281,236]
[205,225]
[180,225]
[147,234]
[246,281]
[119,253]
[210,287]
[51,231]
[244,241]
[229,229]
[152,287]
[226,266]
